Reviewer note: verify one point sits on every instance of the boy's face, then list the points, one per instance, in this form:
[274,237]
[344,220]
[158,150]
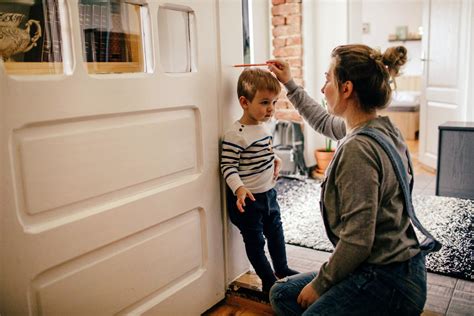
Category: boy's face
[262,107]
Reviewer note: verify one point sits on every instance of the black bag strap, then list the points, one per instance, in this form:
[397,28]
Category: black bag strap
[430,244]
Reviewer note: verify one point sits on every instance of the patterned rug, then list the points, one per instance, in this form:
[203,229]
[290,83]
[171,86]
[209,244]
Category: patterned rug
[448,219]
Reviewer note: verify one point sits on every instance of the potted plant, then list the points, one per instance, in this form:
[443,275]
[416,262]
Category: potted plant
[324,155]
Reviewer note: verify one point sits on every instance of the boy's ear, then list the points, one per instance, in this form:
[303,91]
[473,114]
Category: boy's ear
[243,102]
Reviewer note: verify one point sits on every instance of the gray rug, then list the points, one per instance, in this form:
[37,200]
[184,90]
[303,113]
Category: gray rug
[448,219]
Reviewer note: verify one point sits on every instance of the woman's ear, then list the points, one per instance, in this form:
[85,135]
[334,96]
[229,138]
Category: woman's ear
[347,88]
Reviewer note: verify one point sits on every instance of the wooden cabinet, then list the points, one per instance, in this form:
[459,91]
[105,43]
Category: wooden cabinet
[37,36]
[455,173]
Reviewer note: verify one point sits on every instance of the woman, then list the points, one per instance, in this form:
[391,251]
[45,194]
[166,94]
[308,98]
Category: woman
[376,267]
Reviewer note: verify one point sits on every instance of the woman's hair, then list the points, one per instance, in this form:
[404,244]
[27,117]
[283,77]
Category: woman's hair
[369,71]
[252,80]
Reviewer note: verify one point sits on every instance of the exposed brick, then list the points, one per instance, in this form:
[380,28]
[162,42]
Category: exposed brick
[278,20]
[293,19]
[287,38]
[295,62]
[287,51]
[277,2]
[294,50]
[279,42]
[294,40]
[286,9]
[286,30]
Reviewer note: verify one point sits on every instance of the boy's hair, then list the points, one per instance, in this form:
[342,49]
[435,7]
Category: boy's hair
[252,80]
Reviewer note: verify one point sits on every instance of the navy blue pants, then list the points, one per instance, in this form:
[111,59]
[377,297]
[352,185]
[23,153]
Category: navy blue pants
[393,289]
[261,218]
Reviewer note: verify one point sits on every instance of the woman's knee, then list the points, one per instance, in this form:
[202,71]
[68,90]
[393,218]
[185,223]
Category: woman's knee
[275,291]
[279,297]
[290,287]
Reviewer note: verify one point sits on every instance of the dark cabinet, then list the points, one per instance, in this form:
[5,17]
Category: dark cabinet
[455,173]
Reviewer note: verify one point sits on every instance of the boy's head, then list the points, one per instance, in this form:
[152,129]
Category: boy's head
[252,80]
[258,92]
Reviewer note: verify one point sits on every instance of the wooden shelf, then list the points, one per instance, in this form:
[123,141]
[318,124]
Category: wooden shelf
[34,68]
[404,40]
[53,68]
[114,67]
[410,37]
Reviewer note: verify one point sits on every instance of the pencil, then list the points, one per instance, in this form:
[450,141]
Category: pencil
[250,65]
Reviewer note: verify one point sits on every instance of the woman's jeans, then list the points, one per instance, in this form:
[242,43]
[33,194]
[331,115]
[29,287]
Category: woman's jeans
[393,289]
[261,218]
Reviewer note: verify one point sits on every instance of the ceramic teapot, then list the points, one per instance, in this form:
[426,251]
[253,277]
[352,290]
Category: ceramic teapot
[13,39]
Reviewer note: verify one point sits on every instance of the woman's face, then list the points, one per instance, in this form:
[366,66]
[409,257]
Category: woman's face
[330,90]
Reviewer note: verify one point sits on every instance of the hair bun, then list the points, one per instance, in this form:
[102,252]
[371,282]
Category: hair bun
[375,55]
[395,57]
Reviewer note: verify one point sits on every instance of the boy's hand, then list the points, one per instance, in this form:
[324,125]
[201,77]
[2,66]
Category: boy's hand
[308,296]
[242,193]
[281,69]
[276,170]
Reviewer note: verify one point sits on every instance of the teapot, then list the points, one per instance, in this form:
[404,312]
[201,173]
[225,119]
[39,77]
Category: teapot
[13,39]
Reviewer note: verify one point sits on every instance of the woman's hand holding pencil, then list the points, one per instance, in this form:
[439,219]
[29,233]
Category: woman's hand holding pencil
[281,69]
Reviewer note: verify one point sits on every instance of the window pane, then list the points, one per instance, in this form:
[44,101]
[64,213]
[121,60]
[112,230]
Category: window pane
[175,32]
[32,36]
[112,36]
[246,31]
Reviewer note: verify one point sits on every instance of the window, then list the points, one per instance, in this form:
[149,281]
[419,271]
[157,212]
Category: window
[34,38]
[247,29]
[115,36]
[176,33]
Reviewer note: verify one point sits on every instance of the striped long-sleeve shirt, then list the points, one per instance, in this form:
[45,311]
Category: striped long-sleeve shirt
[247,157]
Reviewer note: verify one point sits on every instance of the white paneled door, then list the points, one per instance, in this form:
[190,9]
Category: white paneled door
[110,199]
[446,27]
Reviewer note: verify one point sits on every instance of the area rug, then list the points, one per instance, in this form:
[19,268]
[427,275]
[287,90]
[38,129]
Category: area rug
[448,219]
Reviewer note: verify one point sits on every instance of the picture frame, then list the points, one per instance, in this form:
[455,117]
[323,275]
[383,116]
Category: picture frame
[401,32]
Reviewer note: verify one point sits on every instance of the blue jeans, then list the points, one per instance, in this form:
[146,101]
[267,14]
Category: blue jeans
[261,218]
[393,289]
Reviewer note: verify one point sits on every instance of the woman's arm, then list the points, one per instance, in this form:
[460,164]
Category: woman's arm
[317,117]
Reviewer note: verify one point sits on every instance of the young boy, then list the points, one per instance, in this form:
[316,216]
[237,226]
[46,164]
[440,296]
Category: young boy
[250,170]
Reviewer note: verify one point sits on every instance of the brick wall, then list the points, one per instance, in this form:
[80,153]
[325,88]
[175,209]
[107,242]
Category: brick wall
[288,45]
[287,35]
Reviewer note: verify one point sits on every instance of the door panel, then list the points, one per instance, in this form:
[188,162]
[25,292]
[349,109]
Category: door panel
[52,288]
[46,155]
[110,192]
[444,43]
[443,69]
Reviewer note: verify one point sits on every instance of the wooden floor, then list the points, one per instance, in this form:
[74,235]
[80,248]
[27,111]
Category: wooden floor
[446,295]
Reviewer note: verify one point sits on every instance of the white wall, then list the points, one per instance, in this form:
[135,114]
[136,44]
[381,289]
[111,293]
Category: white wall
[262,36]
[470,93]
[232,53]
[383,17]
[325,26]
[231,43]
